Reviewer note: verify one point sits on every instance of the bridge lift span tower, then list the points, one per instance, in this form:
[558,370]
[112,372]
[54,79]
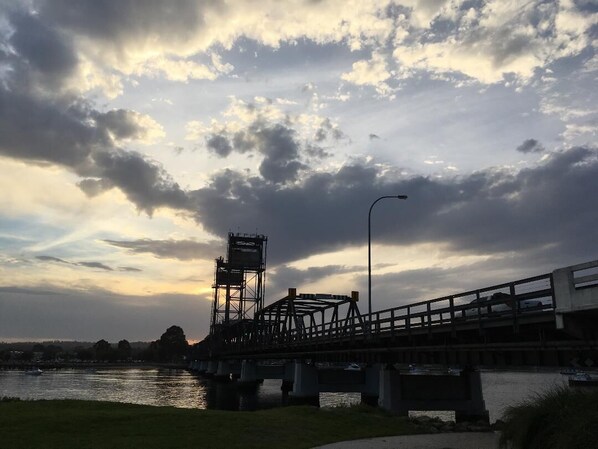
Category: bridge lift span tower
[239,281]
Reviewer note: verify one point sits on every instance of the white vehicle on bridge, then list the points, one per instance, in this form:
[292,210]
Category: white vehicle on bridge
[499,304]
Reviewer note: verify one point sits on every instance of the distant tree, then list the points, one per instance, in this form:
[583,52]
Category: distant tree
[51,352]
[83,353]
[151,353]
[38,347]
[173,344]
[124,350]
[103,350]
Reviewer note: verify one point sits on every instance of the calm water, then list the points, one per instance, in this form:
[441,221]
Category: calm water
[180,388]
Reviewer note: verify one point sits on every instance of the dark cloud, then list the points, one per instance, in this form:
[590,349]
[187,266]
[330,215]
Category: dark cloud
[48,54]
[284,276]
[490,211]
[373,136]
[531,146]
[52,259]
[65,314]
[58,132]
[120,123]
[129,269]
[145,183]
[277,143]
[116,24]
[219,144]
[27,291]
[281,162]
[85,264]
[172,249]
[46,126]
[98,265]
[328,130]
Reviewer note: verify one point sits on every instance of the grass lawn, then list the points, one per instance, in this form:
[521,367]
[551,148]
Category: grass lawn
[89,424]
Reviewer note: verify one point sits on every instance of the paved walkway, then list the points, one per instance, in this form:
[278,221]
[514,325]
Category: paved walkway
[465,440]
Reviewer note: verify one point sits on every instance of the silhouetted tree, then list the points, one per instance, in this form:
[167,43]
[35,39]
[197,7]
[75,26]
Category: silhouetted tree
[151,353]
[173,344]
[124,350]
[51,352]
[83,353]
[103,350]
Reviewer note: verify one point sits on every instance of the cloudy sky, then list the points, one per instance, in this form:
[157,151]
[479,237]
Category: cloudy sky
[135,134]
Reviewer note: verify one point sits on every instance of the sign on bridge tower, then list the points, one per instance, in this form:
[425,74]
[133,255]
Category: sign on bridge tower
[239,281]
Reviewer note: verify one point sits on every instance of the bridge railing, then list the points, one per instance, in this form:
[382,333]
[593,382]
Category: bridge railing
[505,302]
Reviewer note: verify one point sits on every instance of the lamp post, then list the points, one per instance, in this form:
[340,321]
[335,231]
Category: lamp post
[398,197]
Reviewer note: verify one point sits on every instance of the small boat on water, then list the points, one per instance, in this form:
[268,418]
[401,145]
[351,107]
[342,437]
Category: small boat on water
[418,370]
[580,379]
[352,367]
[34,372]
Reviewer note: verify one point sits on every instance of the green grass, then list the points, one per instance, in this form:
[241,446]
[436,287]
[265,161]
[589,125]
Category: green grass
[562,418]
[89,424]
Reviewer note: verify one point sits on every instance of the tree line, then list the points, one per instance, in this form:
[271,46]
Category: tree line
[171,347]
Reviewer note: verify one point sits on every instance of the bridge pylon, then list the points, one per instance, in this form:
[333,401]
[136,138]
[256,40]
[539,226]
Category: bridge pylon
[239,281]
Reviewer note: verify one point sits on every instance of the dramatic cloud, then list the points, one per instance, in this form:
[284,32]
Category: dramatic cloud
[531,146]
[493,210]
[284,140]
[172,249]
[275,103]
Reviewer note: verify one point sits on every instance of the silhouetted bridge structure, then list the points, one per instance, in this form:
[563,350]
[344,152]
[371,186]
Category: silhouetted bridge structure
[546,320]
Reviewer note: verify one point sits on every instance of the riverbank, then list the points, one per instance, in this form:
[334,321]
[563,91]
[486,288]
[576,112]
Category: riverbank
[68,424]
[23,365]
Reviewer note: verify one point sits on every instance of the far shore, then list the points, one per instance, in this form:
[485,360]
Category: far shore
[24,365]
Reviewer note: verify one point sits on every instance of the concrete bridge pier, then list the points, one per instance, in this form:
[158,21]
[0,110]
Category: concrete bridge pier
[249,378]
[369,395]
[211,368]
[305,386]
[223,372]
[202,366]
[400,393]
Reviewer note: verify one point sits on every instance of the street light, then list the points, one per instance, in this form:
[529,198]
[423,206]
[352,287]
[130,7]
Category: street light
[398,197]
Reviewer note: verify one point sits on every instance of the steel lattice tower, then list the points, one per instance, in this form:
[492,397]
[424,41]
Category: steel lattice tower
[239,281]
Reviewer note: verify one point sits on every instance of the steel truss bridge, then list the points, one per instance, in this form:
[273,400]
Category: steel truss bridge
[550,319]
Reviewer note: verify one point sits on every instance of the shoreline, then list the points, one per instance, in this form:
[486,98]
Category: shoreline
[4,366]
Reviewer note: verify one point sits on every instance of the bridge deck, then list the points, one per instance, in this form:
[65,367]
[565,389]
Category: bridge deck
[519,314]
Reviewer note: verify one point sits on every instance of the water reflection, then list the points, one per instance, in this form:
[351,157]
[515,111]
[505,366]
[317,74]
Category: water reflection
[179,388]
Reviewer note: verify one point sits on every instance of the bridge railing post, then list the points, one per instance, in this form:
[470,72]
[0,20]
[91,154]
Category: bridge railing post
[515,306]
[429,316]
[452,312]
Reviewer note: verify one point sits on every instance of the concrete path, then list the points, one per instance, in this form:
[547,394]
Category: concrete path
[465,440]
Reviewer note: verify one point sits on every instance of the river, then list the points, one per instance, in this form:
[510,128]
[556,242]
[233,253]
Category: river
[179,388]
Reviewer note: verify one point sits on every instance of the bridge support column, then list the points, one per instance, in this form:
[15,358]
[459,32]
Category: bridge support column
[223,371]
[401,393]
[248,377]
[203,366]
[305,385]
[370,393]
[212,367]
[389,391]
[474,407]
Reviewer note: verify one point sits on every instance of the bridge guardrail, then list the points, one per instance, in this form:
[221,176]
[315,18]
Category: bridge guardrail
[510,301]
